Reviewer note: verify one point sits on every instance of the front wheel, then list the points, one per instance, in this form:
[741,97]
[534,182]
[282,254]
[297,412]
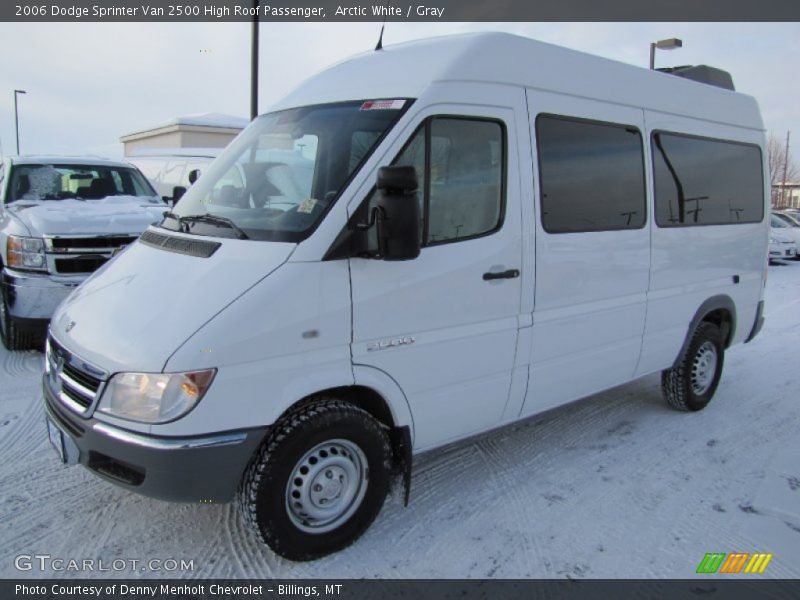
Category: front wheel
[318,481]
[12,336]
[691,384]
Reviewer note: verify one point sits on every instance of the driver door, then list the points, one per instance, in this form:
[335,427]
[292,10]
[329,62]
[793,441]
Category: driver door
[444,325]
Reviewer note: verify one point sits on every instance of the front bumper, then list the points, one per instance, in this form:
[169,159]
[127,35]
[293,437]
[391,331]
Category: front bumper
[782,251]
[35,295]
[205,468]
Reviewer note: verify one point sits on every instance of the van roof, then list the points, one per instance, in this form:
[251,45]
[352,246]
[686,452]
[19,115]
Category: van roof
[407,70]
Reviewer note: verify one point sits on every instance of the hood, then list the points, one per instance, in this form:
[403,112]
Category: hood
[780,235]
[113,214]
[134,312]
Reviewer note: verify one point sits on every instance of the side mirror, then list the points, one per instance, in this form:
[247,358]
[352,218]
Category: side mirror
[193,175]
[177,193]
[398,213]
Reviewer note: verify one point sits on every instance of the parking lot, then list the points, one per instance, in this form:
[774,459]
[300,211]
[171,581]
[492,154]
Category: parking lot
[616,485]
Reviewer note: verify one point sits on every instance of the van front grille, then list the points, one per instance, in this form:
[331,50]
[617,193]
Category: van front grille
[73,381]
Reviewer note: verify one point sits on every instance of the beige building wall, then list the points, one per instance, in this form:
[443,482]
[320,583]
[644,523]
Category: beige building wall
[178,136]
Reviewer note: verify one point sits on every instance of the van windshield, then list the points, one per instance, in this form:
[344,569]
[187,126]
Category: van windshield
[285,170]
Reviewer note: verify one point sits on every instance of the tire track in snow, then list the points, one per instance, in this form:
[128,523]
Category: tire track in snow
[26,434]
[246,551]
[500,463]
[23,364]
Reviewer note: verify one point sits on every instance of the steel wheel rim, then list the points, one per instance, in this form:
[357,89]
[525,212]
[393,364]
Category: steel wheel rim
[326,486]
[704,367]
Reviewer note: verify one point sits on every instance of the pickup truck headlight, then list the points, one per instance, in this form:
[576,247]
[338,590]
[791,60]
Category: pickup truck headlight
[25,253]
[154,397]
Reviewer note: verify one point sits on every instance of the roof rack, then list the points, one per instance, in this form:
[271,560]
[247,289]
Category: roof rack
[703,74]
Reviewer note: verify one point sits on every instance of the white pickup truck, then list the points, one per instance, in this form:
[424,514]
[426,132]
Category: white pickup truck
[61,218]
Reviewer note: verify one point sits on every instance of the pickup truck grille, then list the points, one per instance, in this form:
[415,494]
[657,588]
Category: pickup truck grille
[82,254]
[76,383]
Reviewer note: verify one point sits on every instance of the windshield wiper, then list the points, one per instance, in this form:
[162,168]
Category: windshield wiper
[215,220]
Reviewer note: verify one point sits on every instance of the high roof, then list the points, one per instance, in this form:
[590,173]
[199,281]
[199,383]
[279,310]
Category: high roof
[407,70]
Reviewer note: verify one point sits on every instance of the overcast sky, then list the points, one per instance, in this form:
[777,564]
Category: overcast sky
[90,83]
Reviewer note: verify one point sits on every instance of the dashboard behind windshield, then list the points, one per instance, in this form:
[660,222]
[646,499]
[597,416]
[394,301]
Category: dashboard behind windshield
[280,176]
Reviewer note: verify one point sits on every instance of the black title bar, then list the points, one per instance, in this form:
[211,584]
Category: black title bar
[398,10]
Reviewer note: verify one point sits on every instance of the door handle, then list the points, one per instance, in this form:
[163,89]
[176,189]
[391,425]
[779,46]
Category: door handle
[510,274]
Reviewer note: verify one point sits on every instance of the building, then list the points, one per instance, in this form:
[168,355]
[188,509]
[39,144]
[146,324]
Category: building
[206,130]
[786,197]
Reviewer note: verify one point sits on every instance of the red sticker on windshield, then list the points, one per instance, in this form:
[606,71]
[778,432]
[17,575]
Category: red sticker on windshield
[383,105]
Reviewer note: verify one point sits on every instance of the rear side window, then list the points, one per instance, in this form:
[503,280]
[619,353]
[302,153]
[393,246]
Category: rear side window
[591,175]
[701,181]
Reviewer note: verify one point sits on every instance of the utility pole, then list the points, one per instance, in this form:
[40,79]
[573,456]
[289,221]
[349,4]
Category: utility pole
[254,63]
[785,168]
[16,115]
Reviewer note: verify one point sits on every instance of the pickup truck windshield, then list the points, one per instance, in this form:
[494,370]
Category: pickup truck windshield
[86,182]
[279,177]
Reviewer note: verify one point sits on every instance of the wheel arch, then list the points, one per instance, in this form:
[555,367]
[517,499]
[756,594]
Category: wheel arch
[719,310]
[378,394]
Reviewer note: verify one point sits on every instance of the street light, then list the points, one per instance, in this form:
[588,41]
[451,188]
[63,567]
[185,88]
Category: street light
[669,44]
[16,115]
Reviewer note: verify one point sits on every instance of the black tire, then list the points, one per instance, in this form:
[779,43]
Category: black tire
[691,385]
[264,495]
[12,336]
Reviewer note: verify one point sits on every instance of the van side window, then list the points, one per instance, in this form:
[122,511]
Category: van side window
[460,165]
[700,181]
[591,175]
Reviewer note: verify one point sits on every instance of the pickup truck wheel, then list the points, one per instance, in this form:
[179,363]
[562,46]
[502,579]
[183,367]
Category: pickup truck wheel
[13,338]
[691,385]
[318,481]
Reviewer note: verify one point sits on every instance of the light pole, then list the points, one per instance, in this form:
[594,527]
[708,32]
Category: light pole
[669,44]
[254,62]
[16,115]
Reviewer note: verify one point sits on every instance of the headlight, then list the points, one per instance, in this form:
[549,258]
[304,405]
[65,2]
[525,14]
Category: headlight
[154,397]
[25,253]
[773,241]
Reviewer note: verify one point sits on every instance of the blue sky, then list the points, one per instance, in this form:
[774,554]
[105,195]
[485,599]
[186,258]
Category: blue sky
[90,83]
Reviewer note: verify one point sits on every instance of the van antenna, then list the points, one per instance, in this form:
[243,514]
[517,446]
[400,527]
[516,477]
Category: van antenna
[379,45]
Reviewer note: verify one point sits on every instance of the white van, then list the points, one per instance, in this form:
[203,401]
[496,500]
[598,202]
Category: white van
[172,171]
[417,245]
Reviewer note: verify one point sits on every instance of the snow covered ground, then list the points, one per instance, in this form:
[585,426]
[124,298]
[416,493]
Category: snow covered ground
[616,485]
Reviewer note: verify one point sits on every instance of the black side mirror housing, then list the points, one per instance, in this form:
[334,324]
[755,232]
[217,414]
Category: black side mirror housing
[177,193]
[398,213]
[193,176]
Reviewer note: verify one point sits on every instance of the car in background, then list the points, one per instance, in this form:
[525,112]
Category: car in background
[780,246]
[792,218]
[61,218]
[780,226]
[172,171]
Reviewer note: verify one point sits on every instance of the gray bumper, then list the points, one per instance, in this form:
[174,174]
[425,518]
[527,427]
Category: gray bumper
[35,295]
[205,468]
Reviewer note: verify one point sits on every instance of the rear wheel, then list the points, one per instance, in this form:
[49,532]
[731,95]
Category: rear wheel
[691,384]
[318,481]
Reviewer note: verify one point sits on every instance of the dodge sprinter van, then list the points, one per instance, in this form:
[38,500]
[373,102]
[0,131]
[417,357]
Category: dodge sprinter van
[416,245]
